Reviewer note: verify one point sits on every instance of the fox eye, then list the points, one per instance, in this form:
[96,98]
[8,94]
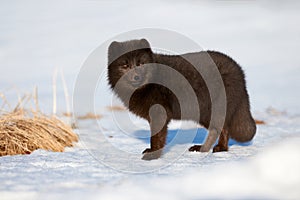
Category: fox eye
[139,63]
[125,65]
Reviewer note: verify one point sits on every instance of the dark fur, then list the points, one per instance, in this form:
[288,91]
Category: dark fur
[239,123]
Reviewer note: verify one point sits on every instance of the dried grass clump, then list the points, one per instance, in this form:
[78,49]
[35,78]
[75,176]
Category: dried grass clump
[22,132]
[260,122]
[116,108]
[89,116]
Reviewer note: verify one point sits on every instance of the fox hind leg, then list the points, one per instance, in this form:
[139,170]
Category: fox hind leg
[222,143]
[221,146]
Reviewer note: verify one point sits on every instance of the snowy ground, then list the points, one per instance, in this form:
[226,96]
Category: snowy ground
[267,168]
[37,37]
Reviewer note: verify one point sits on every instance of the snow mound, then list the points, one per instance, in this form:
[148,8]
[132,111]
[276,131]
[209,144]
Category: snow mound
[272,174]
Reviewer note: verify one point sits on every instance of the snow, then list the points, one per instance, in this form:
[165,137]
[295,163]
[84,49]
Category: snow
[267,168]
[37,37]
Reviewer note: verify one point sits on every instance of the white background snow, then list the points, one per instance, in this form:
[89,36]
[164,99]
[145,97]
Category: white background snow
[264,37]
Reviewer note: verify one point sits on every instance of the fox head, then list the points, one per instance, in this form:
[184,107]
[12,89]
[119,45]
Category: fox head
[130,62]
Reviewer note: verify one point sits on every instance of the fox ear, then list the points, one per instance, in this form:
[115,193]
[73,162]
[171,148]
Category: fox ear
[145,43]
[113,47]
[114,50]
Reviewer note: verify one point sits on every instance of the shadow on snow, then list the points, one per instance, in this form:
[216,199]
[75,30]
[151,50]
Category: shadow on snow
[179,136]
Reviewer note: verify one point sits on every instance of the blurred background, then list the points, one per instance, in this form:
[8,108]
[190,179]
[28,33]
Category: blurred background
[36,37]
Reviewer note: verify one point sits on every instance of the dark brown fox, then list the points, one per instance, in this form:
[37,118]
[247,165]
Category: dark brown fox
[136,76]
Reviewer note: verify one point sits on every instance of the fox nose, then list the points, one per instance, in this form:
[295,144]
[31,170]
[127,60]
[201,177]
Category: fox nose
[136,78]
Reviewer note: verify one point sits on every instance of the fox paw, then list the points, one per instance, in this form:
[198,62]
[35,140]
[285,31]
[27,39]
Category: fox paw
[150,154]
[195,148]
[219,149]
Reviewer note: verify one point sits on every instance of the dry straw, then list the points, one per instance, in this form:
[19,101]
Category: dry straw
[23,131]
[89,116]
[116,108]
